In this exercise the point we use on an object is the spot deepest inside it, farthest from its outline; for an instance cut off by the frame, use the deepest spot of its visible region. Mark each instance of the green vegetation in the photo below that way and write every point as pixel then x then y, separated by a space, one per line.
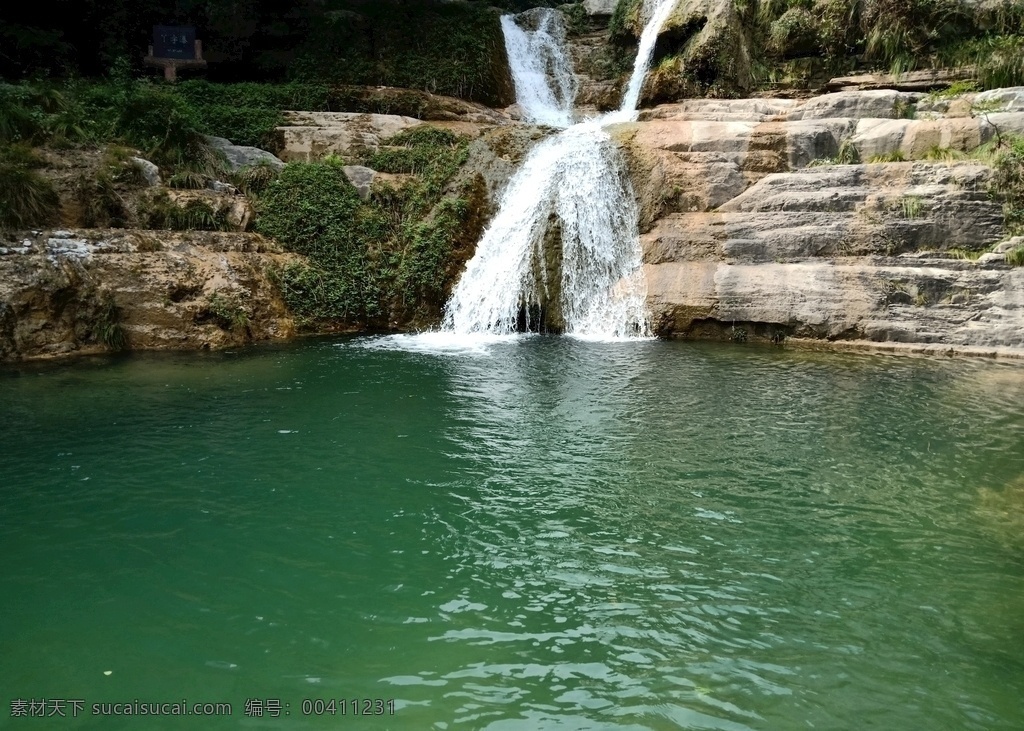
pixel 911 207
pixel 890 35
pixel 965 254
pixel 848 154
pixel 107 328
pixel 1015 257
pixel 228 309
pixel 1008 183
pixel 385 258
pixel 894 156
pixel 26 197
pixel 159 211
pixel 957 88
pixel 99 202
pixel 254 179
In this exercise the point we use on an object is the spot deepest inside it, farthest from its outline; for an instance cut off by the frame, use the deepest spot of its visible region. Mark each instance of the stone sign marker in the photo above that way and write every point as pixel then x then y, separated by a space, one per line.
pixel 175 47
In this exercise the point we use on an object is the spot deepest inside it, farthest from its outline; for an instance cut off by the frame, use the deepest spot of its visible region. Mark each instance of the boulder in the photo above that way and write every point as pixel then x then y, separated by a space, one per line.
pixel 150 172
pixel 241 156
pixel 1010 99
pixel 170 290
pixel 361 178
pixel 600 7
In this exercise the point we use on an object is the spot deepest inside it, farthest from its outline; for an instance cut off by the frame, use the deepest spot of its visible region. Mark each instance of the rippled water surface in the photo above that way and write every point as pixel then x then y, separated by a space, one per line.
pixel 538 534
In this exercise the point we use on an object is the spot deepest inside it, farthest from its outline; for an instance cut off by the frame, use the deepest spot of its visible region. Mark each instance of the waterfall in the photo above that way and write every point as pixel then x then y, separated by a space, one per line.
pixel 574 186
pixel 642 64
pixel 579 179
pixel 541 67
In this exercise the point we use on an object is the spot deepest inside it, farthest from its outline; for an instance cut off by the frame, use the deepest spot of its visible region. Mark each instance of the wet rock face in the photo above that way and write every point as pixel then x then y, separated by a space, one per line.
pixel 746 220
pixel 92 291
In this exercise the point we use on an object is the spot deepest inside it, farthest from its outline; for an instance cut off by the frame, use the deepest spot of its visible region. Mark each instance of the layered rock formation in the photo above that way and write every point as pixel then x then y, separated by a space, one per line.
pixel 751 229
pixel 66 292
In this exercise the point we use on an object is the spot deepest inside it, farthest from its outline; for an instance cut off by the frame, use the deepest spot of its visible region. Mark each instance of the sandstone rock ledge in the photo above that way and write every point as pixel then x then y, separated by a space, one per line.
pixel 750 231
pixel 92 291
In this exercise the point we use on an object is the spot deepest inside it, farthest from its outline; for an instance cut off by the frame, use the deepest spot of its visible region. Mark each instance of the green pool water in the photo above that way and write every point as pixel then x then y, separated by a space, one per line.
pixel 540 534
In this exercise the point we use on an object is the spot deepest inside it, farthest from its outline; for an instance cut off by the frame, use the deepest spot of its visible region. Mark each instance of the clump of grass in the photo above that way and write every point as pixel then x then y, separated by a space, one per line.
pixel 848 154
pixel 894 156
pixel 100 203
pixel 957 88
pixel 1015 257
pixel 187 180
pixel 911 206
pixel 27 198
pixel 944 154
pixel 965 254
pixel 255 179
pixel 108 329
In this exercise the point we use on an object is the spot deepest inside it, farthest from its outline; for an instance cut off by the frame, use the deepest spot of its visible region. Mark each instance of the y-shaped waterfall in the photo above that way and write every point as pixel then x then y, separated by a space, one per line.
pixel 572 186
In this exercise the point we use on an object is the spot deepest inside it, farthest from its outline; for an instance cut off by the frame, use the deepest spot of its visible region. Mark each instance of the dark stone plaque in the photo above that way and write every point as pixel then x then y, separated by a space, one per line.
pixel 174 41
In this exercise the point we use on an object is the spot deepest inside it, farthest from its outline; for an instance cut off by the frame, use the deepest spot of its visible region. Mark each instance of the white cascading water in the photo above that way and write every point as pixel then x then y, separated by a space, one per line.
pixel 577 177
pixel 541 67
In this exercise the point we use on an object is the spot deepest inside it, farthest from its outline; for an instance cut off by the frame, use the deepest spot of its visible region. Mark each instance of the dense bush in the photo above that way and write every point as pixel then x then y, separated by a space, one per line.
pixel 380 261
pixel 889 35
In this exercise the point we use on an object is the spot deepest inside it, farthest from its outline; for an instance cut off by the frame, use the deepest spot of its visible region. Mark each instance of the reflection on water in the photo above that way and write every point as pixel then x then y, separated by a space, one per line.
pixel 533 533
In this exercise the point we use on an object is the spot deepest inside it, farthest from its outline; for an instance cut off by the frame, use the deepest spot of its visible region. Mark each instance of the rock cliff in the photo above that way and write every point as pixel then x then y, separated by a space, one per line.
pixel 90 291
pixel 752 228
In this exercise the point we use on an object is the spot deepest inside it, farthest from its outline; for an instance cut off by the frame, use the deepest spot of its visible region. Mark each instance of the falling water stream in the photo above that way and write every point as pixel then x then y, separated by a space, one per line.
pixel 573 187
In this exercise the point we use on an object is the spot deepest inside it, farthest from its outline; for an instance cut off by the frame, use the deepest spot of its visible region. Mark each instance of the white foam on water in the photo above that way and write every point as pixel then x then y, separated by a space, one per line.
pixel 442 342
